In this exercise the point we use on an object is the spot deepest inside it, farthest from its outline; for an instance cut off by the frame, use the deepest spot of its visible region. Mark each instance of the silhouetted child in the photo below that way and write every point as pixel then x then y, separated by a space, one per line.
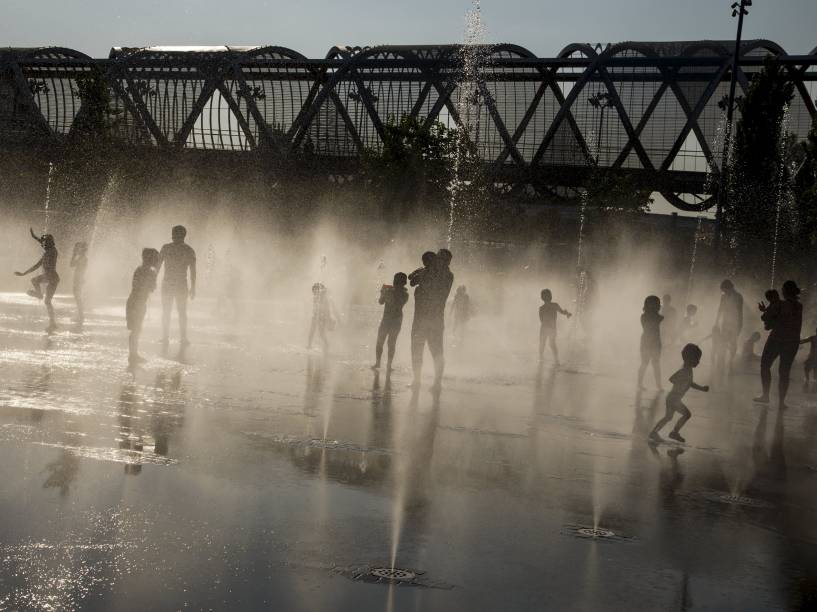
pixel 670 318
pixel 416 277
pixel 810 364
pixel 144 283
pixel 651 340
pixel 393 297
pixel 681 383
pixel 322 316
pixel 770 311
pixel 79 261
pixel 49 277
pixel 547 319
pixel 689 323
pixel 461 309
pixel 748 354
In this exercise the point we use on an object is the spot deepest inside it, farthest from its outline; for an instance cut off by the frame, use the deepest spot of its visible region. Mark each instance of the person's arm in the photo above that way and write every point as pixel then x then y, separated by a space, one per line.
pixel 32 268
pixel 35 236
pixel 807 340
pixel 563 311
pixel 698 387
pixel 193 274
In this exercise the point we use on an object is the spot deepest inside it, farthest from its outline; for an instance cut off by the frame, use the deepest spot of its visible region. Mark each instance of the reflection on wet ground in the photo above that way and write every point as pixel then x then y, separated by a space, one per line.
pixel 251 473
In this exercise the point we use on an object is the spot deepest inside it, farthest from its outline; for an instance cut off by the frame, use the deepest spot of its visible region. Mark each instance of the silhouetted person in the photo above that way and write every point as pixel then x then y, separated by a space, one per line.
pixel 393 298
pixel 681 383
pixel 783 342
pixel 547 324
pixel 748 354
pixel 79 261
pixel 144 283
pixel 428 326
pixel 771 311
pixel 810 364
pixel 322 316
pixel 461 310
pixel 670 315
pixel 417 276
pixel 177 257
pixel 651 340
pixel 49 277
pixel 689 323
pixel 729 319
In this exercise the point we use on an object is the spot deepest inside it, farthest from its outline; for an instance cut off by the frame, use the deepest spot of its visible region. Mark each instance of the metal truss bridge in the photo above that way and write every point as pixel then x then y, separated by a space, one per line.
pixel 653 111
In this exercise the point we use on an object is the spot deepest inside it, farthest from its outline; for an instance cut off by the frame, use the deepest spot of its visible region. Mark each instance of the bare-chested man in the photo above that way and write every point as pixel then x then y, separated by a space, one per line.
pixel 177 257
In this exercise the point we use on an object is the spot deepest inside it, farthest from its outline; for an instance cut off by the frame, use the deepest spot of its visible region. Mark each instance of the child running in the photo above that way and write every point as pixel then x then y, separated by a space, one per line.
pixel 144 283
pixel 681 383
pixel 547 320
pixel 810 364
pixel 79 261
pixel 49 277
pixel 322 317
pixel 651 340
pixel 393 298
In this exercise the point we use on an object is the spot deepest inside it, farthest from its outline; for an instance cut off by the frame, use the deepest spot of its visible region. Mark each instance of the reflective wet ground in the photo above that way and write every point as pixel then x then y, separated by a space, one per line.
pixel 249 473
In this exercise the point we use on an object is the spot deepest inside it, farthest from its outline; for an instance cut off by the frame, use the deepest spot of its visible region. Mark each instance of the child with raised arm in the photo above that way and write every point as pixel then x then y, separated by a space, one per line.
pixel 810 364
pixel 79 261
pixel 144 283
pixel 49 277
pixel 651 340
pixel 681 383
pixel 547 319
pixel 393 298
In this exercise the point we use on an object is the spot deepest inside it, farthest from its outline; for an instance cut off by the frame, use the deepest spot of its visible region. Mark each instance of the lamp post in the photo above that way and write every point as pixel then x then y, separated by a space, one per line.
pixel 739 10
pixel 601 100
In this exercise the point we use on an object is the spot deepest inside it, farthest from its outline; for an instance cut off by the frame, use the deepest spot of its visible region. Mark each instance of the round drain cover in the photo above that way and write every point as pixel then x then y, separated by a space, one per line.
pixel 394 574
pixel 589 532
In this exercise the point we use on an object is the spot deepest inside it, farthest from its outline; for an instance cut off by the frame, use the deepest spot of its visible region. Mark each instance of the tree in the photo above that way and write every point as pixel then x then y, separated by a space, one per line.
pixel 759 165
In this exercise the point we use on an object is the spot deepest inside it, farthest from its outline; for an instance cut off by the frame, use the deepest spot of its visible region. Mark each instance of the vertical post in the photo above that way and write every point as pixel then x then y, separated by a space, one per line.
pixel 738 9
pixel 598 140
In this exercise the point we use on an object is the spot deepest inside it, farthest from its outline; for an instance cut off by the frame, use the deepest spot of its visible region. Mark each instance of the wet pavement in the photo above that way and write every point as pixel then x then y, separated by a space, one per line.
pixel 250 473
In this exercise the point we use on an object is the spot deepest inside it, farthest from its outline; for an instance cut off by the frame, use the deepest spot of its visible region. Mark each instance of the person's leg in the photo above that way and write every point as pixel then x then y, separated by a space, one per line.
pixel 767 358
pixel 642 368
pixel 664 420
pixel 392 344
pixel 36 283
pixel 542 340
pixel 382 332
pixel 553 348
pixel 181 307
pixel 685 416
pixel 435 347
pixel 80 306
pixel 656 369
pixel 787 354
pixel 133 345
pixel 167 305
pixel 418 340
pixel 50 290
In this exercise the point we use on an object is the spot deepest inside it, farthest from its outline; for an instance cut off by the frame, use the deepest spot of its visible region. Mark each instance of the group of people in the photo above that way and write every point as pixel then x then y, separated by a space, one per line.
pixel 178 258
pixel 782 317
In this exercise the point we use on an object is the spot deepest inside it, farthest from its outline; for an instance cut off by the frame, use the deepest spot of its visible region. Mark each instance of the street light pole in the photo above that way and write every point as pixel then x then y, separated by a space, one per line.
pixel 739 9
pixel 602 101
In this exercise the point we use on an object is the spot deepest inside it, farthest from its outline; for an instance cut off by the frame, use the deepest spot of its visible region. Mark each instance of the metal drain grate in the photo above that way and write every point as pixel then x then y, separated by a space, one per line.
pixel 589 532
pixel 393 574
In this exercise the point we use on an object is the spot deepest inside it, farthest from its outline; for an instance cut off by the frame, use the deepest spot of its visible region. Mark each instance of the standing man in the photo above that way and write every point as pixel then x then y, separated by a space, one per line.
pixel 429 316
pixel 177 257
pixel 730 319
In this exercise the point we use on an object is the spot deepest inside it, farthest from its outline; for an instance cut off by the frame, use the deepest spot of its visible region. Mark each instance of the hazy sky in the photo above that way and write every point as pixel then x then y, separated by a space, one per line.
pixel 312 27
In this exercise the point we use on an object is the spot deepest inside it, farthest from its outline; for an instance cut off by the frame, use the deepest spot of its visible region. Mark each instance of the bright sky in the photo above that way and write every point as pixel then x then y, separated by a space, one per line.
pixel 312 27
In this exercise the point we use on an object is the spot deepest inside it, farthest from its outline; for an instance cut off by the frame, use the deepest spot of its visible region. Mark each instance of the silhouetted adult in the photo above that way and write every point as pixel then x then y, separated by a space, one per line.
pixel 434 287
pixel 729 320
pixel 783 342
pixel 177 257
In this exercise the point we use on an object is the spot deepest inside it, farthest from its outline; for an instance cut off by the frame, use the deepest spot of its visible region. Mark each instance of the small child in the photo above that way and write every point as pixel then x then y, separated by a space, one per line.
pixel 681 383
pixel 461 309
pixel 651 340
pixel 416 277
pixel 322 318
pixel 771 310
pixel 144 283
pixel 393 299
pixel 810 364
pixel 79 261
pixel 547 319
pixel 748 353
pixel 49 277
